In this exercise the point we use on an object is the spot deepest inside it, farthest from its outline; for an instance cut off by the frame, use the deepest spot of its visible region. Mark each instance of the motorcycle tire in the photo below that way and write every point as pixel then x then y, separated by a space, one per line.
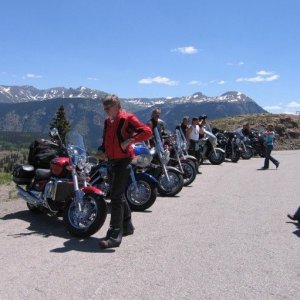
pixel 247 154
pixel 235 157
pixel 216 159
pixel 189 173
pixel 143 198
pixel 87 222
pixel 171 188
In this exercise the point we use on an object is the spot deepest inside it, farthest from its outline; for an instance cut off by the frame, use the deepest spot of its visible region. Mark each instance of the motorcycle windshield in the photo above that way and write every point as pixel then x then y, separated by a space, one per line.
pixel 75 143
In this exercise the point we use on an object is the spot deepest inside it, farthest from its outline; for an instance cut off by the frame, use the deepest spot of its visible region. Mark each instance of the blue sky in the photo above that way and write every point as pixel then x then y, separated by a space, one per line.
pixel 155 48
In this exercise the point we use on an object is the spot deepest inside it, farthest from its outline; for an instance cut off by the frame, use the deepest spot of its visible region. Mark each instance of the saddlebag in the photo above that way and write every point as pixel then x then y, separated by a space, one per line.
pixel 41 152
pixel 23 174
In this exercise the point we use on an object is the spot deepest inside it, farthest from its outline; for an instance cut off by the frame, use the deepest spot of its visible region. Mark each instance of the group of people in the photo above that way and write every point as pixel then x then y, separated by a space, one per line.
pixel 121 131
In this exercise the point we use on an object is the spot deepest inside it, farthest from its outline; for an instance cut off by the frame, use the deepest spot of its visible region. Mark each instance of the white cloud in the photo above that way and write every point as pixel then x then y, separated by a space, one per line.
pixel 93 78
pixel 262 76
pixel 273 107
pixel 293 104
pixel 221 82
pixel 186 50
pixel 195 82
pixel 159 80
pixel 264 73
pixel 32 76
pixel 238 64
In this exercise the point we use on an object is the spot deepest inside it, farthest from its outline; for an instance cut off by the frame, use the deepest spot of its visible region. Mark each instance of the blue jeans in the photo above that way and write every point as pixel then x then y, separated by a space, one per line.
pixel 268 157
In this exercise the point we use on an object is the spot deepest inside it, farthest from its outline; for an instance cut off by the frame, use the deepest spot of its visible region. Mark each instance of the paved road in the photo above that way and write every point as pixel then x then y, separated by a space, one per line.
pixel 226 237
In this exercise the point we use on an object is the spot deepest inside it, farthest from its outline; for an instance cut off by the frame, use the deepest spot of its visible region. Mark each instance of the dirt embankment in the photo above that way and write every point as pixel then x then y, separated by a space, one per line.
pixel 287 127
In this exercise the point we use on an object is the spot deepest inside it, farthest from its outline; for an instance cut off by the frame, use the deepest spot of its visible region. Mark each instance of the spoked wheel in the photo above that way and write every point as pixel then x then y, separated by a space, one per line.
pixel 170 187
pixel 216 157
pixel 87 221
pixel 248 153
pixel 141 196
pixel 189 173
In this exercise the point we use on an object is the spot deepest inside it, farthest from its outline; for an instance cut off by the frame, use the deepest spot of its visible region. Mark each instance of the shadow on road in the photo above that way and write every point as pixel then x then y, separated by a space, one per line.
pixel 42 224
pixel 83 245
pixel 296 232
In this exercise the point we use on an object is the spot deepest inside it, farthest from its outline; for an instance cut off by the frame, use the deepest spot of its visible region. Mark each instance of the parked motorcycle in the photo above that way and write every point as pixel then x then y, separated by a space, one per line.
pixel 63 190
pixel 245 147
pixel 170 179
pixel 141 190
pixel 209 150
pixel 178 160
pixel 257 141
pixel 227 141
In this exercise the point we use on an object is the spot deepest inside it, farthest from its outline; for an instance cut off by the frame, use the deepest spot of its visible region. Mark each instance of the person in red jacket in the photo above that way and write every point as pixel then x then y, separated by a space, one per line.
pixel 121 130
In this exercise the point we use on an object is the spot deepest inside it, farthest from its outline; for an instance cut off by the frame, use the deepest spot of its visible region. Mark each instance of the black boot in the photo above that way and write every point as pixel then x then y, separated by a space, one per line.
pixel 128 228
pixel 113 238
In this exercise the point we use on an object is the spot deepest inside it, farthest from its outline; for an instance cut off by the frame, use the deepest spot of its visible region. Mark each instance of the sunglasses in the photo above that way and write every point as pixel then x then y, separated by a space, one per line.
pixel 107 108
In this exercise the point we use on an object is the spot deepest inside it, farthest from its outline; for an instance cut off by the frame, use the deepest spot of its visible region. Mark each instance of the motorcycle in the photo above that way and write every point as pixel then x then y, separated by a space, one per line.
pixel 62 190
pixel 257 141
pixel 245 149
pixel 178 160
pixel 227 141
pixel 141 190
pixel 170 179
pixel 209 150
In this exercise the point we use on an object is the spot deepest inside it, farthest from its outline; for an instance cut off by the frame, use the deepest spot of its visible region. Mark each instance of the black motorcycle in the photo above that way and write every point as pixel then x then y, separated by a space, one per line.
pixel 257 142
pixel 227 141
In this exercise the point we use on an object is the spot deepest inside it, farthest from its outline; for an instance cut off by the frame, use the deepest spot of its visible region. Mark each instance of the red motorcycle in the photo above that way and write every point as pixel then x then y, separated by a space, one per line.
pixel 62 189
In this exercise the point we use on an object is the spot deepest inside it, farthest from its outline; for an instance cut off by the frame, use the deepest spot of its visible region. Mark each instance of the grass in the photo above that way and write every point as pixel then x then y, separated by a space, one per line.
pixel 5 178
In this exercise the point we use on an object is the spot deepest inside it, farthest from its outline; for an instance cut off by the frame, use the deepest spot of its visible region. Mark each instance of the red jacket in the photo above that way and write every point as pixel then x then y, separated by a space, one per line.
pixel 123 127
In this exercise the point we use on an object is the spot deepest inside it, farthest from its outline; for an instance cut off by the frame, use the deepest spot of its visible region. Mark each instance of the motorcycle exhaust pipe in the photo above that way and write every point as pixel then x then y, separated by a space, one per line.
pixel 27 196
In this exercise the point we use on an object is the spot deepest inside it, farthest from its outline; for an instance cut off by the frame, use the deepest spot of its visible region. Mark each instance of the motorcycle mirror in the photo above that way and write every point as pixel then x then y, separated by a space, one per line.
pixel 53 132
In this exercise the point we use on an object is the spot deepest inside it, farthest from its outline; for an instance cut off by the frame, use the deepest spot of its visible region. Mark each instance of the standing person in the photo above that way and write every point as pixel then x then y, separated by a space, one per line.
pixel 121 129
pixel 184 125
pixel 193 137
pixel 156 122
pixel 269 140
pixel 244 131
pixel 204 124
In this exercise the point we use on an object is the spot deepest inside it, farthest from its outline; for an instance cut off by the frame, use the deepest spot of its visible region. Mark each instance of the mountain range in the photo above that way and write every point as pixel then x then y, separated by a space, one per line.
pixel 26 108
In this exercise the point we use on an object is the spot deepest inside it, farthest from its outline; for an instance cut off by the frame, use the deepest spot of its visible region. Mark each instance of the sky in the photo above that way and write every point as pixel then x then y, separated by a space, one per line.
pixel 156 48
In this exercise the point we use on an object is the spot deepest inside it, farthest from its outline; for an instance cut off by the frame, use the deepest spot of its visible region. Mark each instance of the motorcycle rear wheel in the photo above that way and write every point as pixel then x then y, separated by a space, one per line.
pixel 171 188
pixel 142 198
pixel 89 220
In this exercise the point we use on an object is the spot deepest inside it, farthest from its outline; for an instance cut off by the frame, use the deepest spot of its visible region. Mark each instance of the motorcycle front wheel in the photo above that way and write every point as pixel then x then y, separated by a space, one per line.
pixel 142 196
pixel 248 153
pixel 87 221
pixel 172 186
pixel 216 157
pixel 189 172
pixel 235 156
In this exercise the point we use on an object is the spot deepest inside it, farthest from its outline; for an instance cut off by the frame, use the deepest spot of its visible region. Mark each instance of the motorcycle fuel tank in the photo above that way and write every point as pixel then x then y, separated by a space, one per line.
pixel 58 166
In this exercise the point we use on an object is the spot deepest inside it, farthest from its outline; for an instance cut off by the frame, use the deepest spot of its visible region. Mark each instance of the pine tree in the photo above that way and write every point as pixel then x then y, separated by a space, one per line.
pixel 61 123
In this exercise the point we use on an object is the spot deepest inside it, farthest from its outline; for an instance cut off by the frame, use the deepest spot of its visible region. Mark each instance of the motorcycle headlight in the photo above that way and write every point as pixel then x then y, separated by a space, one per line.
pixel 81 163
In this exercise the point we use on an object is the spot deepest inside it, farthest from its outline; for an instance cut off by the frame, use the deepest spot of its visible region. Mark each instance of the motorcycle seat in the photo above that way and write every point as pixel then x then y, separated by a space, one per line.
pixel 42 174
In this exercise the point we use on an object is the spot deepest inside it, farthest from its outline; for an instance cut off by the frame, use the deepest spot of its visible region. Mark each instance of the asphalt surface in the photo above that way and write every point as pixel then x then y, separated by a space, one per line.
pixel 225 237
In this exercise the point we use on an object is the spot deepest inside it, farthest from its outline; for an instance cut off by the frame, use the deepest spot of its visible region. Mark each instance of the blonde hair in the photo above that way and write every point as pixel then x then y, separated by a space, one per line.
pixel 111 100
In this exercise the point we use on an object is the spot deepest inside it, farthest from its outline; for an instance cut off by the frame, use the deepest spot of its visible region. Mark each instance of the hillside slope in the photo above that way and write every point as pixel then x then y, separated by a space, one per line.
pixel 287 127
